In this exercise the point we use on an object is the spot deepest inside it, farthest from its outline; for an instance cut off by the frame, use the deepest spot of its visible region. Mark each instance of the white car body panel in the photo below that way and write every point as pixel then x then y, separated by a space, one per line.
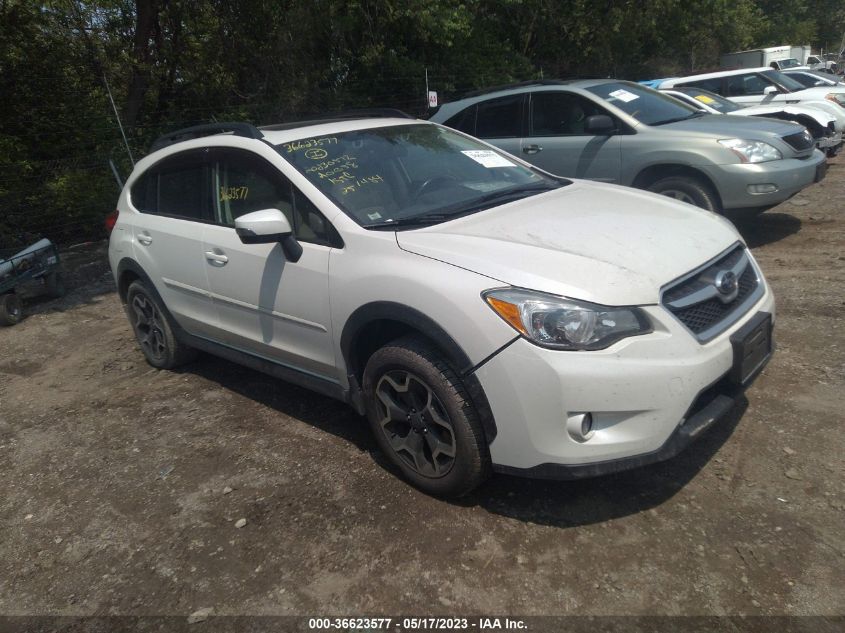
pixel 527 243
pixel 813 97
pixel 273 307
pixel 587 241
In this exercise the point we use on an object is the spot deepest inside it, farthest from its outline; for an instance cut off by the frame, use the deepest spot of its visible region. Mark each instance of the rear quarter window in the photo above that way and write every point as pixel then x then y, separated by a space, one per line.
pixel 144 193
pixel 499 118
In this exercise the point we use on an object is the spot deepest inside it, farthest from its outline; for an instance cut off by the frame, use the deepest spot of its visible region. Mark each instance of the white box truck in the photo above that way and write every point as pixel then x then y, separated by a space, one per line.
pixel 777 57
pixel 801 53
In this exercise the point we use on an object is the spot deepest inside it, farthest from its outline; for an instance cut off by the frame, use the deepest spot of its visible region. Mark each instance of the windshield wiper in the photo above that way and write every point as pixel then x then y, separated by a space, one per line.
pixel 414 220
pixel 465 208
pixel 694 115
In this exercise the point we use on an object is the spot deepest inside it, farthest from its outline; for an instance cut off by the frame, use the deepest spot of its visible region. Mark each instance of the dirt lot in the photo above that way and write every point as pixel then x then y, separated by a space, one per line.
pixel 123 484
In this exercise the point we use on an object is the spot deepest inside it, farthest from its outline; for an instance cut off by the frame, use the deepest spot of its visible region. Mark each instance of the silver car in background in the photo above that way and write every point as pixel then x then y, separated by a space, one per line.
pixel 625 133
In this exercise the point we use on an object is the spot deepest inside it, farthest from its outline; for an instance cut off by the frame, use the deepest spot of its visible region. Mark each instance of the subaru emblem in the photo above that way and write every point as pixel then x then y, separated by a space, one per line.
pixel 726 282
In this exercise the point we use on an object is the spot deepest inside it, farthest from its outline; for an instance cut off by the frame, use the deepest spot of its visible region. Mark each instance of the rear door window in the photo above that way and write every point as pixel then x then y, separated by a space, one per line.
pixel 713 85
pixel 499 118
pixel 177 187
pixel 464 121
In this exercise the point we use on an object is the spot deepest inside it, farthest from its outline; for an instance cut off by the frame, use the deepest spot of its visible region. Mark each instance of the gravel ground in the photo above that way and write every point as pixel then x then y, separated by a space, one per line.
pixel 132 491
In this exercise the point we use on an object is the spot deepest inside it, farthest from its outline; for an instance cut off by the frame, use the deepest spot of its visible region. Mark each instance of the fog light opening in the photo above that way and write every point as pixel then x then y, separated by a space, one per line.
pixel 580 426
pixel 762 188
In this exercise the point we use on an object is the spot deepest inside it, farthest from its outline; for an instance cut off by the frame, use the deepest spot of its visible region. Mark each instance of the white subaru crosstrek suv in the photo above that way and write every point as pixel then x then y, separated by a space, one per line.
pixel 483 314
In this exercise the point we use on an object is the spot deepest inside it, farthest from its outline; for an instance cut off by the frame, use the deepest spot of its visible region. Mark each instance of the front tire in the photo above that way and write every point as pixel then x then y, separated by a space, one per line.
pixel 423 418
pixel 687 189
pixel 153 329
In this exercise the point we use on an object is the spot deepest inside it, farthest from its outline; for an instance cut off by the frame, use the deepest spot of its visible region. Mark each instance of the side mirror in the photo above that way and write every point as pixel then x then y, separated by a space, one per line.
pixel 267 227
pixel 770 90
pixel 599 125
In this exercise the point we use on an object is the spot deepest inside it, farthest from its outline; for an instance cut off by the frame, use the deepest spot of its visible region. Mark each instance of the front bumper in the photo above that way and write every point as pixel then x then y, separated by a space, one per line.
pixel 833 141
pixel 649 397
pixel 789 176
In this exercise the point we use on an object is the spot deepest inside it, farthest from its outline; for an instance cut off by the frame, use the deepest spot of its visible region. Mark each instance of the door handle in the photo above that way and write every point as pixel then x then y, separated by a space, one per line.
pixel 216 258
pixel 145 238
pixel 531 149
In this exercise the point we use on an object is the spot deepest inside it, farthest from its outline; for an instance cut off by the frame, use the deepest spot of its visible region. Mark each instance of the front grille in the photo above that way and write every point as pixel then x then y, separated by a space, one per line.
pixel 696 301
pixel 799 141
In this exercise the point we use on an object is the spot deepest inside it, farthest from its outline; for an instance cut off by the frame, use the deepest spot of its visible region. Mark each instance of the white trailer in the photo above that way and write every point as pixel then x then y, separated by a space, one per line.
pixel 801 53
pixel 755 58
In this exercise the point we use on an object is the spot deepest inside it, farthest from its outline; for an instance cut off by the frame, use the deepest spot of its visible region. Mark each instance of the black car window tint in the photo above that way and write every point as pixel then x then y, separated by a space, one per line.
pixel 181 190
pixel 499 118
pixel 464 121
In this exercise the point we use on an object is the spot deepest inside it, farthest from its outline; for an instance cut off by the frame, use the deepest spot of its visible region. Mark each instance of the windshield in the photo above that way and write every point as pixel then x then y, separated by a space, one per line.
pixel 403 174
pixel 788 63
pixel 644 104
pixel 717 102
pixel 784 80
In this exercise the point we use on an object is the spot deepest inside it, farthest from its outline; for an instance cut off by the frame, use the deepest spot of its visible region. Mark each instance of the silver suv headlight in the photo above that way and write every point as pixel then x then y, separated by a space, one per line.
pixel 565 324
pixel 751 151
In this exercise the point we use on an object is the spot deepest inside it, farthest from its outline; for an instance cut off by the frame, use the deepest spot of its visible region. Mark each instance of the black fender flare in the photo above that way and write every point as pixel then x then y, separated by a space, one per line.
pixel 127 264
pixel 428 327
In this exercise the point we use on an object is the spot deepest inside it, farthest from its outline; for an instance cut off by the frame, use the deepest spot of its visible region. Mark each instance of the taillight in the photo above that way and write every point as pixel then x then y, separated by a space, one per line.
pixel 111 220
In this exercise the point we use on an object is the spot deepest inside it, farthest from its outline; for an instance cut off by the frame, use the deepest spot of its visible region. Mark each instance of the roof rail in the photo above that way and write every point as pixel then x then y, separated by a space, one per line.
pixel 247 130
pixel 520 84
pixel 366 113
pixel 361 113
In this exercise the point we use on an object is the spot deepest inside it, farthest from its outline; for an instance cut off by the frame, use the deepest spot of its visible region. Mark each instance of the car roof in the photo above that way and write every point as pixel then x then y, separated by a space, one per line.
pixel 205 135
pixel 714 75
pixel 305 129
pixel 451 107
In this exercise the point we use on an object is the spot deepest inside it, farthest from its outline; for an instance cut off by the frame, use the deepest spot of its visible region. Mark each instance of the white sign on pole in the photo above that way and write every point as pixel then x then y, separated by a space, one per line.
pixel 432 98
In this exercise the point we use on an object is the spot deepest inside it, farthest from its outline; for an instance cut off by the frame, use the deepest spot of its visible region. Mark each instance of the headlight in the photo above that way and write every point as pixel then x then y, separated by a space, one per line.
pixel 751 151
pixel 561 323
pixel 836 97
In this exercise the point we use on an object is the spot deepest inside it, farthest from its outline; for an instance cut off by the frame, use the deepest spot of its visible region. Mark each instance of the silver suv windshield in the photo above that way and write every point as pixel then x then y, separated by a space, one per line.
pixel 411 175
pixel 644 104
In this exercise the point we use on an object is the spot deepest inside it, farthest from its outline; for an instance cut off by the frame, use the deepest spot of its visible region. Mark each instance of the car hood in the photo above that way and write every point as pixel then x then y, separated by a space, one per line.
pixel 830 108
pixel 731 127
pixel 819 116
pixel 591 241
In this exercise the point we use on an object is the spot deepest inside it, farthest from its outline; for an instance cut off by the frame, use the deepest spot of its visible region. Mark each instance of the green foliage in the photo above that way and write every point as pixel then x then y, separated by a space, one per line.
pixel 172 63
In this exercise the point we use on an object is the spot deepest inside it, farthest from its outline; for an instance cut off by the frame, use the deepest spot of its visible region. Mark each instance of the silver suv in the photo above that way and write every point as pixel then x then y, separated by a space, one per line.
pixel 628 134
pixel 484 315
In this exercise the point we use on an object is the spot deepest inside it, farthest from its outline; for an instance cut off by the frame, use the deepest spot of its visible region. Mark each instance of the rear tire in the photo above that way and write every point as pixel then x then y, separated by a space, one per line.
pixel 423 418
pixel 154 330
pixel 11 309
pixel 688 189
